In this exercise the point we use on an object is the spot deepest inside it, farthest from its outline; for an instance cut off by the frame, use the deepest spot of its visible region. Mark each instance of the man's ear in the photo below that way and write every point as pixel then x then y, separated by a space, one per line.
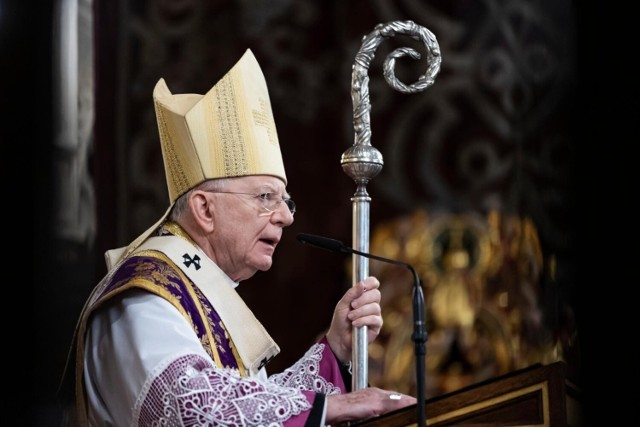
pixel 202 210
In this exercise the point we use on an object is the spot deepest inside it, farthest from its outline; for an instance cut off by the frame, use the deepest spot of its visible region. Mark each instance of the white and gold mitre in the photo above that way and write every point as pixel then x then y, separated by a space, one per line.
pixel 227 132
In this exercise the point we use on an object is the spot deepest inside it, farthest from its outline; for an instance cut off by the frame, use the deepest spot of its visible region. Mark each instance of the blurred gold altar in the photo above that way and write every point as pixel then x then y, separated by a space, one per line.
pixel 484 281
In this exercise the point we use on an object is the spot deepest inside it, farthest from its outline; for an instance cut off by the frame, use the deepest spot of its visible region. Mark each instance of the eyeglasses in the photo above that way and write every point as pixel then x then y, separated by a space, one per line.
pixel 270 202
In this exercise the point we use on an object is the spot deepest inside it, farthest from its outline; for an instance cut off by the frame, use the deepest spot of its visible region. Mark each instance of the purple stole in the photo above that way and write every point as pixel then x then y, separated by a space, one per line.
pixel 159 275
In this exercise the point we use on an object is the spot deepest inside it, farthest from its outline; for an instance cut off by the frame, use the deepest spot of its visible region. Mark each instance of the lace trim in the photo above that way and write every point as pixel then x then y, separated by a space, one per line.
pixel 192 392
pixel 305 373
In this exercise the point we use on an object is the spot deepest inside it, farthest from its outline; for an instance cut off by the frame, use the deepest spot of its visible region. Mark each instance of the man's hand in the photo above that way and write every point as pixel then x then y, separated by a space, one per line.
pixel 360 306
pixel 363 404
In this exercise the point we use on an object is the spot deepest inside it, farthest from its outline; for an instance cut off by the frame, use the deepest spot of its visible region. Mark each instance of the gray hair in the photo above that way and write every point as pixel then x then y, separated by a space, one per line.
pixel 180 207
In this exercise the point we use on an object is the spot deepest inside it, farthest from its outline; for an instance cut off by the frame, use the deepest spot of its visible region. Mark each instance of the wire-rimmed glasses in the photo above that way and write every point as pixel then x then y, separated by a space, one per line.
pixel 270 202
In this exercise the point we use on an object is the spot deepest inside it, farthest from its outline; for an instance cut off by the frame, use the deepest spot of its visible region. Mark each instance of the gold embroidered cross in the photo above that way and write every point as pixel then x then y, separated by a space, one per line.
pixel 264 117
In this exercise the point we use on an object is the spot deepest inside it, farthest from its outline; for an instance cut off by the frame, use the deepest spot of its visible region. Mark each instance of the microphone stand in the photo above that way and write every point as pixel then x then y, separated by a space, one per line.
pixel 419 336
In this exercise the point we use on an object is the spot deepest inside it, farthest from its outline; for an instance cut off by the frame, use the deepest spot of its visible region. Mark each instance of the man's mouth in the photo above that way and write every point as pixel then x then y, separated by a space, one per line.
pixel 270 242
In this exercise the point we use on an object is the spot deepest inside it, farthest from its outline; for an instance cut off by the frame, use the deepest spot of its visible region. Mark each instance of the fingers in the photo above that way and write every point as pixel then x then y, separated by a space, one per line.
pixel 366 302
pixel 359 306
pixel 365 307
pixel 392 400
pixel 365 292
pixel 369 283
pixel 365 403
pixel 369 297
pixel 367 315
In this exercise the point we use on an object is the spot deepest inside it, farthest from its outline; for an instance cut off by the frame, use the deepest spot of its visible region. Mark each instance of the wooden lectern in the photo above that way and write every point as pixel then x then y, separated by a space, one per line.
pixel 540 395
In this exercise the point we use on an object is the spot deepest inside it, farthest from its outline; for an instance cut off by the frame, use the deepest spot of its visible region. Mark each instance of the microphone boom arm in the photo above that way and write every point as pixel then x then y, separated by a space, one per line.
pixel 419 336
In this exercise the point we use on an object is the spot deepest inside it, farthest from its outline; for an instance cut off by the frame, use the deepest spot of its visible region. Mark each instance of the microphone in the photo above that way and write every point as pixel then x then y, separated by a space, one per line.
pixel 334 245
pixel 419 336
pixel 324 243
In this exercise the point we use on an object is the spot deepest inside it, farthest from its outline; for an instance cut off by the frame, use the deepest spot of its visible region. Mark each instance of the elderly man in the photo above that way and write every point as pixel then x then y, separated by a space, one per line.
pixel 164 338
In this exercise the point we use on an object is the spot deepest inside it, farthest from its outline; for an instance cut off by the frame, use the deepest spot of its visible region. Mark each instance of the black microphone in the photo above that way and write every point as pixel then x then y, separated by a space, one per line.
pixel 323 243
pixel 334 245
pixel 419 336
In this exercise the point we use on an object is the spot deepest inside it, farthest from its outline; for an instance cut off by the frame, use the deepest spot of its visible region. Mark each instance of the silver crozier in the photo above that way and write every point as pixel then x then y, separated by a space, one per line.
pixel 362 162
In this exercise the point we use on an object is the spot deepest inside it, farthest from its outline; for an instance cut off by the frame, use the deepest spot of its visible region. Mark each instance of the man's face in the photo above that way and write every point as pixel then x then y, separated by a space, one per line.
pixel 248 227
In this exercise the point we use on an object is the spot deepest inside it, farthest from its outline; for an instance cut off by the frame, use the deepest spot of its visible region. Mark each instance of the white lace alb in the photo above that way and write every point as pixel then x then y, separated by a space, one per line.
pixel 190 391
